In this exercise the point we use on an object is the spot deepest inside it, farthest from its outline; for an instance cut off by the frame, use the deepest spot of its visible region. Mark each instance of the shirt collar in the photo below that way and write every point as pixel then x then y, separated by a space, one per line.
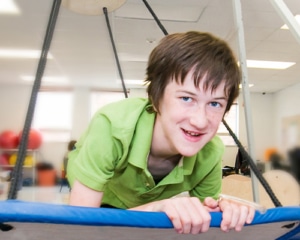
pixel 141 142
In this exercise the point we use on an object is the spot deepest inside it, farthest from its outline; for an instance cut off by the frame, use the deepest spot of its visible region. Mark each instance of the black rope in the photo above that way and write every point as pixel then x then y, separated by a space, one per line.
pixel 253 166
pixel 243 151
pixel 155 18
pixel 115 52
pixel 17 172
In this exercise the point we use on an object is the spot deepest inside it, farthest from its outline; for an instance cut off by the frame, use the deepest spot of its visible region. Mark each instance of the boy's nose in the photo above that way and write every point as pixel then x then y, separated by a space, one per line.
pixel 199 118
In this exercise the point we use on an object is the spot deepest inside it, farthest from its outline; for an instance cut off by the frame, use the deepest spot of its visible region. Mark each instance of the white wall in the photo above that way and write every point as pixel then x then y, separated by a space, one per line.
pixel 81 111
pixel 13 106
pixel 287 104
pixel 262 108
pixel 267 113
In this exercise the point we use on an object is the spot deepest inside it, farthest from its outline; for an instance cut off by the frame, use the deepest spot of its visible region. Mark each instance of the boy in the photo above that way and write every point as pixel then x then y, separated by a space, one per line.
pixel 139 153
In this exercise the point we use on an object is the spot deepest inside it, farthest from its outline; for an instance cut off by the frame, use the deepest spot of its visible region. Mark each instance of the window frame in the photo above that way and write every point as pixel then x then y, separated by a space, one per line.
pixel 232 119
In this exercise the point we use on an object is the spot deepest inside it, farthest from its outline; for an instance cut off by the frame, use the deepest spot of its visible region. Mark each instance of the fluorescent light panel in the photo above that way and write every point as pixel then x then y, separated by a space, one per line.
pixel 249 85
pixel 8 7
pixel 21 53
pixel 47 79
pixel 297 17
pixel 132 82
pixel 269 64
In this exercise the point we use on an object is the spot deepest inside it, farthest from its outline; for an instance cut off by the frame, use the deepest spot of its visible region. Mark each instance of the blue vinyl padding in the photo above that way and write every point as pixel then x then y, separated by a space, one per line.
pixel 21 211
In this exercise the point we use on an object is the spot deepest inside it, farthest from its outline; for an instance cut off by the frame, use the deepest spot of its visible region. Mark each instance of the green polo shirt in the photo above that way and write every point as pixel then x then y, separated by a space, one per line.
pixel 111 156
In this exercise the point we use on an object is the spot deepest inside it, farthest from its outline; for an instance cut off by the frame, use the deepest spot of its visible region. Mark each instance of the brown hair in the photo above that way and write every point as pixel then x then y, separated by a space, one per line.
pixel 71 145
pixel 178 53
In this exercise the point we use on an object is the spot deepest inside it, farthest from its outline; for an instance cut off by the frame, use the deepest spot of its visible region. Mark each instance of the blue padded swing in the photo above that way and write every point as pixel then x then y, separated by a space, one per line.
pixel 36 221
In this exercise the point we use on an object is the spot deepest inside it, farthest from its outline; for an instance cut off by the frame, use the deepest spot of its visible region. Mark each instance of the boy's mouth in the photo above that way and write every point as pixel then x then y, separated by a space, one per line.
pixel 190 133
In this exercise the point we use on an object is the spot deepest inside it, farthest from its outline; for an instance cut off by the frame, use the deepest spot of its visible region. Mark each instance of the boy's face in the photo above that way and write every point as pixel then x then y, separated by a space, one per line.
pixel 189 117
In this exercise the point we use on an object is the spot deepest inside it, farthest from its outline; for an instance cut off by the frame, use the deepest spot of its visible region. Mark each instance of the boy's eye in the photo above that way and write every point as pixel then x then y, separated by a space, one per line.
pixel 186 99
pixel 215 104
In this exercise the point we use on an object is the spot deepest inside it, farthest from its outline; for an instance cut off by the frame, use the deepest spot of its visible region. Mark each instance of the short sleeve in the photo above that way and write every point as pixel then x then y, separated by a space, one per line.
pixel 94 159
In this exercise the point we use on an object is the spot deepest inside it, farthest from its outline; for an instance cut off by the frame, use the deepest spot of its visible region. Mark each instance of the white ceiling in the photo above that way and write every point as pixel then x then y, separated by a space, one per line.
pixel 82 51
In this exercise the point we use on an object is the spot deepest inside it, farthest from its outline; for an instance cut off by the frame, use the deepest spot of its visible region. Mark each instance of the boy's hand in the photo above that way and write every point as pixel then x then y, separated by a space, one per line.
pixel 188 214
pixel 235 215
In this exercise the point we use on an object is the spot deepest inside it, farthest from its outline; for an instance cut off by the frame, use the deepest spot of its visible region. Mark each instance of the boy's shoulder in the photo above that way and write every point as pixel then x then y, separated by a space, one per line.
pixel 126 112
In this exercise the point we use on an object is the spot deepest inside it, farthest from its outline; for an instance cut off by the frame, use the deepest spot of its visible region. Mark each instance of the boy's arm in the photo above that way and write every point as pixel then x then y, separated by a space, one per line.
pixel 84 196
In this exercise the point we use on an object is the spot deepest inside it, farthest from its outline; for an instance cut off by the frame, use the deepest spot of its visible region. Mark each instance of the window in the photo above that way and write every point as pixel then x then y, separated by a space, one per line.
pixel 53 115
pixel 232 119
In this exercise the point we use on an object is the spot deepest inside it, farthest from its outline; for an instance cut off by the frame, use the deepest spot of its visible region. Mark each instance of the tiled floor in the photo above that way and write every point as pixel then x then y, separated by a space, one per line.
pixel 40 194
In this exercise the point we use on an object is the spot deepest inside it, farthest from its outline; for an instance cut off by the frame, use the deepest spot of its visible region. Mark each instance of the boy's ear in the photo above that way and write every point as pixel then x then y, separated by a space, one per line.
pixel 153 107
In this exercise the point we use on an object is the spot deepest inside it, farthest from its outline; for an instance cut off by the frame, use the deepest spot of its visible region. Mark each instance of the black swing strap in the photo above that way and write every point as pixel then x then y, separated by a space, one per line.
pixel 17 171
pixel 115 52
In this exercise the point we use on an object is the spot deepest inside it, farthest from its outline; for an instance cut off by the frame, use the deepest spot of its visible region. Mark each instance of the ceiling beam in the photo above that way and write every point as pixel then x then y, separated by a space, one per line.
pixel 288 18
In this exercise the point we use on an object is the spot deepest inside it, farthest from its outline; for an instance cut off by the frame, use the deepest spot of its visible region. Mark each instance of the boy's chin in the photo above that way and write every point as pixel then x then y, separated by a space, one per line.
pixel 189 153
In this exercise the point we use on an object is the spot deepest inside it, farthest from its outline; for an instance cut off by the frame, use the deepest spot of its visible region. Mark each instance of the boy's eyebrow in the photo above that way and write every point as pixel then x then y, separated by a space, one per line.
pixel 195 94
pixel 221 98
pixel 187 92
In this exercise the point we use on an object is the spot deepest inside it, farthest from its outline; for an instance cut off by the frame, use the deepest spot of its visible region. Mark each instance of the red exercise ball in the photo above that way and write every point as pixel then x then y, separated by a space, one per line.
pixel 35 139
pixel 4 162
pixel 9 139
pixel 4 159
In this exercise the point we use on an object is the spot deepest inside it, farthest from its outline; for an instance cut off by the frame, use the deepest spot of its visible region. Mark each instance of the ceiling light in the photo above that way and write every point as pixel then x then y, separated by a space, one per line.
pixel 249 85
pixel 132 82
pixel 297 17
pixel 269 64
pixel 47 79
pixel 8 7
pixel 21 53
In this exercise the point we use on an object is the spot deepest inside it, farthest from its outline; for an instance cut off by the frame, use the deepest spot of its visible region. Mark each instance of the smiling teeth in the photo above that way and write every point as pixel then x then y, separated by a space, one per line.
pixel 192 133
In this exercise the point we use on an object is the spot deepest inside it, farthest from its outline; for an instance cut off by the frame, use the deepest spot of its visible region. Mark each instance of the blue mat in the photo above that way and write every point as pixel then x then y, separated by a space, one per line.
pixel 31 220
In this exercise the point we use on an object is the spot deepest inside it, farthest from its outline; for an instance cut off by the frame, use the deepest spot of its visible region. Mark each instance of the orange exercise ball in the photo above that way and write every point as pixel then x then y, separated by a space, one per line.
pixel 9 139
pixel 35 139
